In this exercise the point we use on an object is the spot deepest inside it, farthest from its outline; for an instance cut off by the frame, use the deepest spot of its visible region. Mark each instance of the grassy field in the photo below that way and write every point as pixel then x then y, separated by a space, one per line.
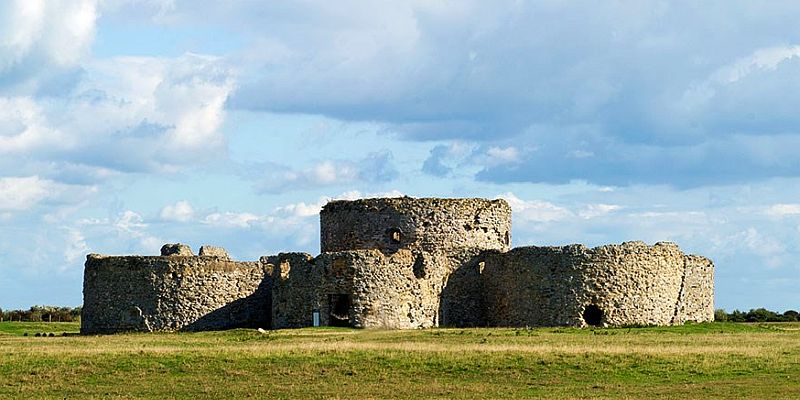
pixel 704 360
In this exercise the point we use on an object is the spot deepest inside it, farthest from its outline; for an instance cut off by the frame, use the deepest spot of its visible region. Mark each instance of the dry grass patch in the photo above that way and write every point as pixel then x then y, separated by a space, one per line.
pixel 708 360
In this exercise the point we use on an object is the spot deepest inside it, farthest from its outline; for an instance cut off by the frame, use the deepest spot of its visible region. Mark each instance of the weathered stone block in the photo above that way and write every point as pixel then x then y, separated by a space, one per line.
pixel 213 251
pixel 176 249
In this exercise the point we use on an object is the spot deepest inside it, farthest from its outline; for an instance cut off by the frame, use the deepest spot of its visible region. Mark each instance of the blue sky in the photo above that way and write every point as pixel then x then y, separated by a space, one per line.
pixel 126 124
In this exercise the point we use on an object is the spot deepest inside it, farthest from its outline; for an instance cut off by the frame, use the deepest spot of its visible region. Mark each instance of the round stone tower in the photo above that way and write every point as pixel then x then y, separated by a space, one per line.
pixel 426 224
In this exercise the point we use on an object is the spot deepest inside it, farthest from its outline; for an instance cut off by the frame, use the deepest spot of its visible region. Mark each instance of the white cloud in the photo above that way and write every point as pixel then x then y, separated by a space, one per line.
pixel 328 172
pixel 22 193
pixel 124 114
pixel 57 32
pixel 185 95
pixel 503 154
pixel 763 59
pixel 769 248
pixel 445 159
pixel 181 211
pixel 766 58
pixel 782 210
pixel 76 247
pixel 535 210
pixel 375 168
pixel 23 127
pixel 131 225
pixel 231 219
pixel 304 210
pixel 597 210
pixel 130 222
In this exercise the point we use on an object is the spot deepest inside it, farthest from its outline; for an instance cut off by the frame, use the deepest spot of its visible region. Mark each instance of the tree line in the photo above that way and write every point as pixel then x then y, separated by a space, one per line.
pixel 42 314
pixel 70 314
pixel 756 315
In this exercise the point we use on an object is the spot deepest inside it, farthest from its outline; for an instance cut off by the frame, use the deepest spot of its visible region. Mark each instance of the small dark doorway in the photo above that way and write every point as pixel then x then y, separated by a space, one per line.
pixel 593 315
pixel 339 310
pixel 395 235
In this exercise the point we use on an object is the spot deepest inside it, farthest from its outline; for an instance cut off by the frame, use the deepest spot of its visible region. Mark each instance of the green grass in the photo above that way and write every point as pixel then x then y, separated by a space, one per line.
pixel 720 360
pixel 31 328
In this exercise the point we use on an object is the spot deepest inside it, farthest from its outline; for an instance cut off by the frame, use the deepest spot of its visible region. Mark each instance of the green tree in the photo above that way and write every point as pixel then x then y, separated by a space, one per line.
pixel 761 315
pixel 736 316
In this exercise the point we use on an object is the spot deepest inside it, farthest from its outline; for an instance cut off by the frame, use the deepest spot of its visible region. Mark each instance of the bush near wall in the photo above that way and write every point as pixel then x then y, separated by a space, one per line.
pixel 42 314
pixel 756 315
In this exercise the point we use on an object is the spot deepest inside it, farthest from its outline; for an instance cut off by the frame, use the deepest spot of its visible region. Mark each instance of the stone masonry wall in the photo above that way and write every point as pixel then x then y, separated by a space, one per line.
pixel 156 293
pixel 631 283
pixel 401 263
pixel 401 290
pixel 426 224
pixel 697 292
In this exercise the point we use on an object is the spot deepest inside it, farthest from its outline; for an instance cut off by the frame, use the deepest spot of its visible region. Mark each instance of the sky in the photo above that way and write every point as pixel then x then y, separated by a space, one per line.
pixel 127 124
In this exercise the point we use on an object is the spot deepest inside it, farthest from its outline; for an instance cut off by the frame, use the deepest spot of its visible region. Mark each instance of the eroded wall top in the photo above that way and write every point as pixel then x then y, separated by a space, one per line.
pixel 429 224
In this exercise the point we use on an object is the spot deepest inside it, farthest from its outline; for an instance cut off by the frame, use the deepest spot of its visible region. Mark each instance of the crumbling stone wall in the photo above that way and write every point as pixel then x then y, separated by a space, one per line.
pixel 427 224
pixel 160 293
pixel 399 290
pixel 696 301
pixel 631 283
pixel 401 263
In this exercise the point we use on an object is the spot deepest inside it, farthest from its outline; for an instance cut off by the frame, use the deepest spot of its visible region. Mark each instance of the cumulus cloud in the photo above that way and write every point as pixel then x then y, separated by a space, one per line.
pixel 782 210
pixel 627 89
pixel 231 219
pixel 535 210
pixel 131 225
pixel 597 210
pixel 43 41
pixel 375 168
pixel 302 209
pixel 443 159
pixel 76 247
pixel 181 211
pixel 126 114
pixel 727 159
pixel 18 193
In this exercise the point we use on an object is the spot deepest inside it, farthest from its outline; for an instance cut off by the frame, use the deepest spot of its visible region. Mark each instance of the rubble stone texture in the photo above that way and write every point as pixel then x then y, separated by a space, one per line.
pixel 415 224
pixel 213 251
pixel 189 293
pixel 176 249
pixel 402 263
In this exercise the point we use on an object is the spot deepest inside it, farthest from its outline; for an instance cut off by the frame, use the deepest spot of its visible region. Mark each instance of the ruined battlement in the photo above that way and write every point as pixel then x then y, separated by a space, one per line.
pixel 401 263
pixel 427 224
pixel 625 284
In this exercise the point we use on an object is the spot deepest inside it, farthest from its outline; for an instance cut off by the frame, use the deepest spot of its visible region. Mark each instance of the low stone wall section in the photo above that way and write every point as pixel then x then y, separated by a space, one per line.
pixel 175 293
pixel 424 224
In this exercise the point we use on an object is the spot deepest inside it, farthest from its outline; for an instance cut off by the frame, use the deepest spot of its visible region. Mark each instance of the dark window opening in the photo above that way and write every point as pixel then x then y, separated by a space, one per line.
pixel 339 310
pixel 395 235
pixel 593 315
pixel 419 267
pixel 467 227
pixel 508 238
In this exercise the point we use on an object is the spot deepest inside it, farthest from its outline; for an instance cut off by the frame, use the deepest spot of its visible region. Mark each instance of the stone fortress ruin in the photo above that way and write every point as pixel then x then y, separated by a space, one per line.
pixel 401 263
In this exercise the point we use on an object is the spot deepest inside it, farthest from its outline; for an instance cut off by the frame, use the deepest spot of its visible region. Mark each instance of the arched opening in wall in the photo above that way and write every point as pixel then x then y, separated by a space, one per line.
pixel 593 315
pixel 339 310
pixel 395 235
